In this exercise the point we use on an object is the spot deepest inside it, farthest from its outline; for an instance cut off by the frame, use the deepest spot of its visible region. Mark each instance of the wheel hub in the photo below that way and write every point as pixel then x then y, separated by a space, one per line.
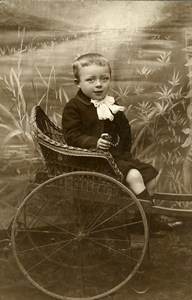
pixel 81 235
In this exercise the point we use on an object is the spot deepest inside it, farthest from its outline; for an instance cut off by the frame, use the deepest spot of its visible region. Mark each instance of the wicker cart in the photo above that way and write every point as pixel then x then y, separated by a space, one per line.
pixel 80 233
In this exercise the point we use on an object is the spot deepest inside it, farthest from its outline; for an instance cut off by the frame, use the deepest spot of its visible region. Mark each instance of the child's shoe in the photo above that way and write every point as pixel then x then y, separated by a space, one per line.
pixel 158 223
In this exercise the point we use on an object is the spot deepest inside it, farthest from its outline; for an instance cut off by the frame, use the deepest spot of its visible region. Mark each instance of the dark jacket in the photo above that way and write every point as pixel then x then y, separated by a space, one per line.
pixel 82 128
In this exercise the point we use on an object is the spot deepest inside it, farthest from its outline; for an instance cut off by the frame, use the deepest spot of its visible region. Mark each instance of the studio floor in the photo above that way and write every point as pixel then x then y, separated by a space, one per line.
pixel 170 271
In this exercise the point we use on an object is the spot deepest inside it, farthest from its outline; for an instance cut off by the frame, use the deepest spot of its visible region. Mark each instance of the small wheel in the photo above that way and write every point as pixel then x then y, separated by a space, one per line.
pixel 75 236
pixel 4 249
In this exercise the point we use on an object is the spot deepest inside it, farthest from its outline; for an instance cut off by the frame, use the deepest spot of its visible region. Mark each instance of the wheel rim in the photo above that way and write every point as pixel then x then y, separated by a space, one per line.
pixel 72 239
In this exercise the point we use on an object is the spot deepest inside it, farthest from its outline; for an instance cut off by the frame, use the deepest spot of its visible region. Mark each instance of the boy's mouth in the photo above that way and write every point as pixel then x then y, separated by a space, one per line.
pixel 98 93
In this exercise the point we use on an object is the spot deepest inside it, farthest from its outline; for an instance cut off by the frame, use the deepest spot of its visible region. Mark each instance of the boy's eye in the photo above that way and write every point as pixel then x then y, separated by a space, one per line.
pixel 105 78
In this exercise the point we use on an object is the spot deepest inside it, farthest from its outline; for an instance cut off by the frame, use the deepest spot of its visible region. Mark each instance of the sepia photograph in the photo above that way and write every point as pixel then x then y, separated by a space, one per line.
pixel 95 150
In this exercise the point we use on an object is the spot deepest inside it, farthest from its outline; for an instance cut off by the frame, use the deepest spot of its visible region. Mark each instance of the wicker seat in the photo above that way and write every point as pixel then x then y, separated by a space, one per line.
pixel 61 158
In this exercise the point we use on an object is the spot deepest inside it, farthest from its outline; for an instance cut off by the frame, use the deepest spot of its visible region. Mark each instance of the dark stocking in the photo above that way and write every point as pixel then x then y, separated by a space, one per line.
pixel 144 195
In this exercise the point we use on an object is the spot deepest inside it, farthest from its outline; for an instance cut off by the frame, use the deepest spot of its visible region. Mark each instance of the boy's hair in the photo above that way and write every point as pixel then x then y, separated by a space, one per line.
pixel 88 60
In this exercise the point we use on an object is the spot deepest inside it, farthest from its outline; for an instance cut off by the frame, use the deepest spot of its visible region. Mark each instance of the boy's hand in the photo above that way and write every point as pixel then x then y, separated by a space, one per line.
pixel 103 144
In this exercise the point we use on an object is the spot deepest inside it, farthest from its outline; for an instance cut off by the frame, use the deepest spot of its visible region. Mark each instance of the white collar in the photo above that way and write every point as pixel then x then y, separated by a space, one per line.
pixel 106 108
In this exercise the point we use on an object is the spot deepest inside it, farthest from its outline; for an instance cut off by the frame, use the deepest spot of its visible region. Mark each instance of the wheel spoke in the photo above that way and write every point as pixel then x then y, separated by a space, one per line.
pixel 111 239
pixel 114 250
pixel 44 246
pixel 115 227
pixel 42 208
pixel 112 216
pixel 97 216
pixel 51 224
pixel 46 258
pixel 39 231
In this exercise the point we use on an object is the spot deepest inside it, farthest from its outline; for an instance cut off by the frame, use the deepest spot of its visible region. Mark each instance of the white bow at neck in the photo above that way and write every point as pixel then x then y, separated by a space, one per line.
pixel 106 108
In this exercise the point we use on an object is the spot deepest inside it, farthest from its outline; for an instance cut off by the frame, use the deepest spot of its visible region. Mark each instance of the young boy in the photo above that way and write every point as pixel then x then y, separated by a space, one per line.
pixel 92 113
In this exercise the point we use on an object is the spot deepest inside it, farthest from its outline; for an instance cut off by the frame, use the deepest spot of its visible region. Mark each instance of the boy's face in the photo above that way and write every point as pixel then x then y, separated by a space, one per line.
pixel 94 81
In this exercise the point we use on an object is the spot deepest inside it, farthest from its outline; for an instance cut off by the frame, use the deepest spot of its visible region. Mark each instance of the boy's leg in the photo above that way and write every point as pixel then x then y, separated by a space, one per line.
pixel 151 186
pixel 135 181
pixel 144 195
pixel 159 222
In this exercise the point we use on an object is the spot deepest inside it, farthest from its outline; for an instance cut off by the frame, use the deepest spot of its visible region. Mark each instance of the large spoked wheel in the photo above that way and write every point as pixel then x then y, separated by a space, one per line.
pixel 76 236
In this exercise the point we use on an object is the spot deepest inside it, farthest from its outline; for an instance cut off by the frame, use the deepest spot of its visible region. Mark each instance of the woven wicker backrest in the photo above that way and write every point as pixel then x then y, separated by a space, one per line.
pixel 60 158
pixel 47 127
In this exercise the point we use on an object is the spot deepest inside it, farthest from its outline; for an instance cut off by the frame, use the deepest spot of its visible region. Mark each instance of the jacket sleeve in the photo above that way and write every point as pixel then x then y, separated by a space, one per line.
pixel 124 130
pixel 72 128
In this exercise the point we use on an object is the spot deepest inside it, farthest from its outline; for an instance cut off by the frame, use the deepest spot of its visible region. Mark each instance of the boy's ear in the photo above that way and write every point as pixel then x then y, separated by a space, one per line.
pixel 76 82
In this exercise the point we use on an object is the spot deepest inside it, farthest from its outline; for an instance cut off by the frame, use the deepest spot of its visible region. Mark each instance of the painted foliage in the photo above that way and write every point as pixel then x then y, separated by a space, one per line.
pixel 149 45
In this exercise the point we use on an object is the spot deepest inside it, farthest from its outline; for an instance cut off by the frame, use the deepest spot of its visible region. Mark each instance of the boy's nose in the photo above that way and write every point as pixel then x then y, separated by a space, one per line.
pixel 98 83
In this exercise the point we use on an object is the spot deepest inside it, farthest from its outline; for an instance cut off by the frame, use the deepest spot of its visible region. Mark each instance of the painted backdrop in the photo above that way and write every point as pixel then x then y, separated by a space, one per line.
pixel 149 45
